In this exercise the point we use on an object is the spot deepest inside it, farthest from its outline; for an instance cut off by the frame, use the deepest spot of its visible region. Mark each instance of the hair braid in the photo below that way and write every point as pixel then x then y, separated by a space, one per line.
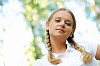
pixel 86 56
pixel 51 57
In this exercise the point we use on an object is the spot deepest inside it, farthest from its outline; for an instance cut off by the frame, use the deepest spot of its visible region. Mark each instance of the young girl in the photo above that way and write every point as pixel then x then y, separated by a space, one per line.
pixel 62 49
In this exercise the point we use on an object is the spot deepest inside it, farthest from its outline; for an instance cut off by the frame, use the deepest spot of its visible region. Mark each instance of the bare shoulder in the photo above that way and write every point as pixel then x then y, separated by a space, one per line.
pixel 98 52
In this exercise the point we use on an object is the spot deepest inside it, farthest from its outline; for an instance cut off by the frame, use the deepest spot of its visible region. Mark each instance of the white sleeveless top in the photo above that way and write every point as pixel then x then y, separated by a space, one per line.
pixel 71 57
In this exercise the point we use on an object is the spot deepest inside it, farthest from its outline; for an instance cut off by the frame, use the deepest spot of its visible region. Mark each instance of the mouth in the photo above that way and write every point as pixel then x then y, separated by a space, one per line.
pixel 60 30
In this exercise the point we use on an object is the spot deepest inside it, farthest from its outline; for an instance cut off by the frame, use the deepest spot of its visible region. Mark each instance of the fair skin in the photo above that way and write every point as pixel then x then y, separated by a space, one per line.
pixel 98 52
pixel 60 28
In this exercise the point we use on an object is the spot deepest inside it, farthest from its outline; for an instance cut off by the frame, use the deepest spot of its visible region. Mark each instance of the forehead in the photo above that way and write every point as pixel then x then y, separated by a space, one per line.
pixel 63 14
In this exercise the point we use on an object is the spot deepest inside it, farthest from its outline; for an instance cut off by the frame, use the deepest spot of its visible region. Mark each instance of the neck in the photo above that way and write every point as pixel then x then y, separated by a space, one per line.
pixel 58 45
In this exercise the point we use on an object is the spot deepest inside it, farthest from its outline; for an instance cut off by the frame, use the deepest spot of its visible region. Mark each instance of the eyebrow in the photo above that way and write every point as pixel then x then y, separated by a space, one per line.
pixel 57 17
pixel 68 20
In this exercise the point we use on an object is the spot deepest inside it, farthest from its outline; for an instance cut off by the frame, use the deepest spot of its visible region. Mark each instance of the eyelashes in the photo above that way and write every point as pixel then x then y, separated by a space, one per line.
pixel 68 23
pixel 57 20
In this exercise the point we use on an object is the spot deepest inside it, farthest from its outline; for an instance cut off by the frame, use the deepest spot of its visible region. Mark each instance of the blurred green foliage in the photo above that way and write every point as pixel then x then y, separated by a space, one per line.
pixel 36 12
pixel 92 10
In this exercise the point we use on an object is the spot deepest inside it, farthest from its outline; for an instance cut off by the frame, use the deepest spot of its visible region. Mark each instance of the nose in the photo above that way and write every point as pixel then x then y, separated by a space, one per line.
pixel 62 23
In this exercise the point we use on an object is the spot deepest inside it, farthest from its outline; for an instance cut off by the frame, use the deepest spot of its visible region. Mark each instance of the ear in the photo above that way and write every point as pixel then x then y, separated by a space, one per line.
pixel 71 33
pixel 47 25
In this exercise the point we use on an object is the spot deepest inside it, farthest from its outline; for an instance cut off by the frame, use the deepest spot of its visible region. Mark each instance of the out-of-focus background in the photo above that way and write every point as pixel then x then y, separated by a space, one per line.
pixel 22 27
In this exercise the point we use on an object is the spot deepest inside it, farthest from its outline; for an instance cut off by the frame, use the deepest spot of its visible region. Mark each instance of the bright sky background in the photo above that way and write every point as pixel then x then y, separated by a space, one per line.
pixel 86 29
pixel 16 36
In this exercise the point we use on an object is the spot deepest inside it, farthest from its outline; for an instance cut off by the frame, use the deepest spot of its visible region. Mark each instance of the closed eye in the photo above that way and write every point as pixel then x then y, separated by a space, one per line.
pixel 68 23
pixel 57 20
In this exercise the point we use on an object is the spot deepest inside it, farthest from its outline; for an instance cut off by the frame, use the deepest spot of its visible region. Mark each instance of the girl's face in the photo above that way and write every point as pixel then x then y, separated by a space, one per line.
pixel 61 25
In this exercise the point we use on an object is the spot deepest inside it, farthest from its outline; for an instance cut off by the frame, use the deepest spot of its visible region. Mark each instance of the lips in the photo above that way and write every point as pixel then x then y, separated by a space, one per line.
pixel 60 30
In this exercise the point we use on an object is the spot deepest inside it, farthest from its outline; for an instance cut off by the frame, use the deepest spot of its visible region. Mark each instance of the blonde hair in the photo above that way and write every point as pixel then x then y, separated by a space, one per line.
pixel 86 56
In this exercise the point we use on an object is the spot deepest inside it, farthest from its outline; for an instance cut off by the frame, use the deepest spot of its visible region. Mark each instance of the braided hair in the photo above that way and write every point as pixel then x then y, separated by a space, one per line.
pixel 86 56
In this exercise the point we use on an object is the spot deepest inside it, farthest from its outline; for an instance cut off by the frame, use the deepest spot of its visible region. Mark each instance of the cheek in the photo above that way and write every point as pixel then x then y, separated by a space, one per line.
pixel 69 30
pixel 52 25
